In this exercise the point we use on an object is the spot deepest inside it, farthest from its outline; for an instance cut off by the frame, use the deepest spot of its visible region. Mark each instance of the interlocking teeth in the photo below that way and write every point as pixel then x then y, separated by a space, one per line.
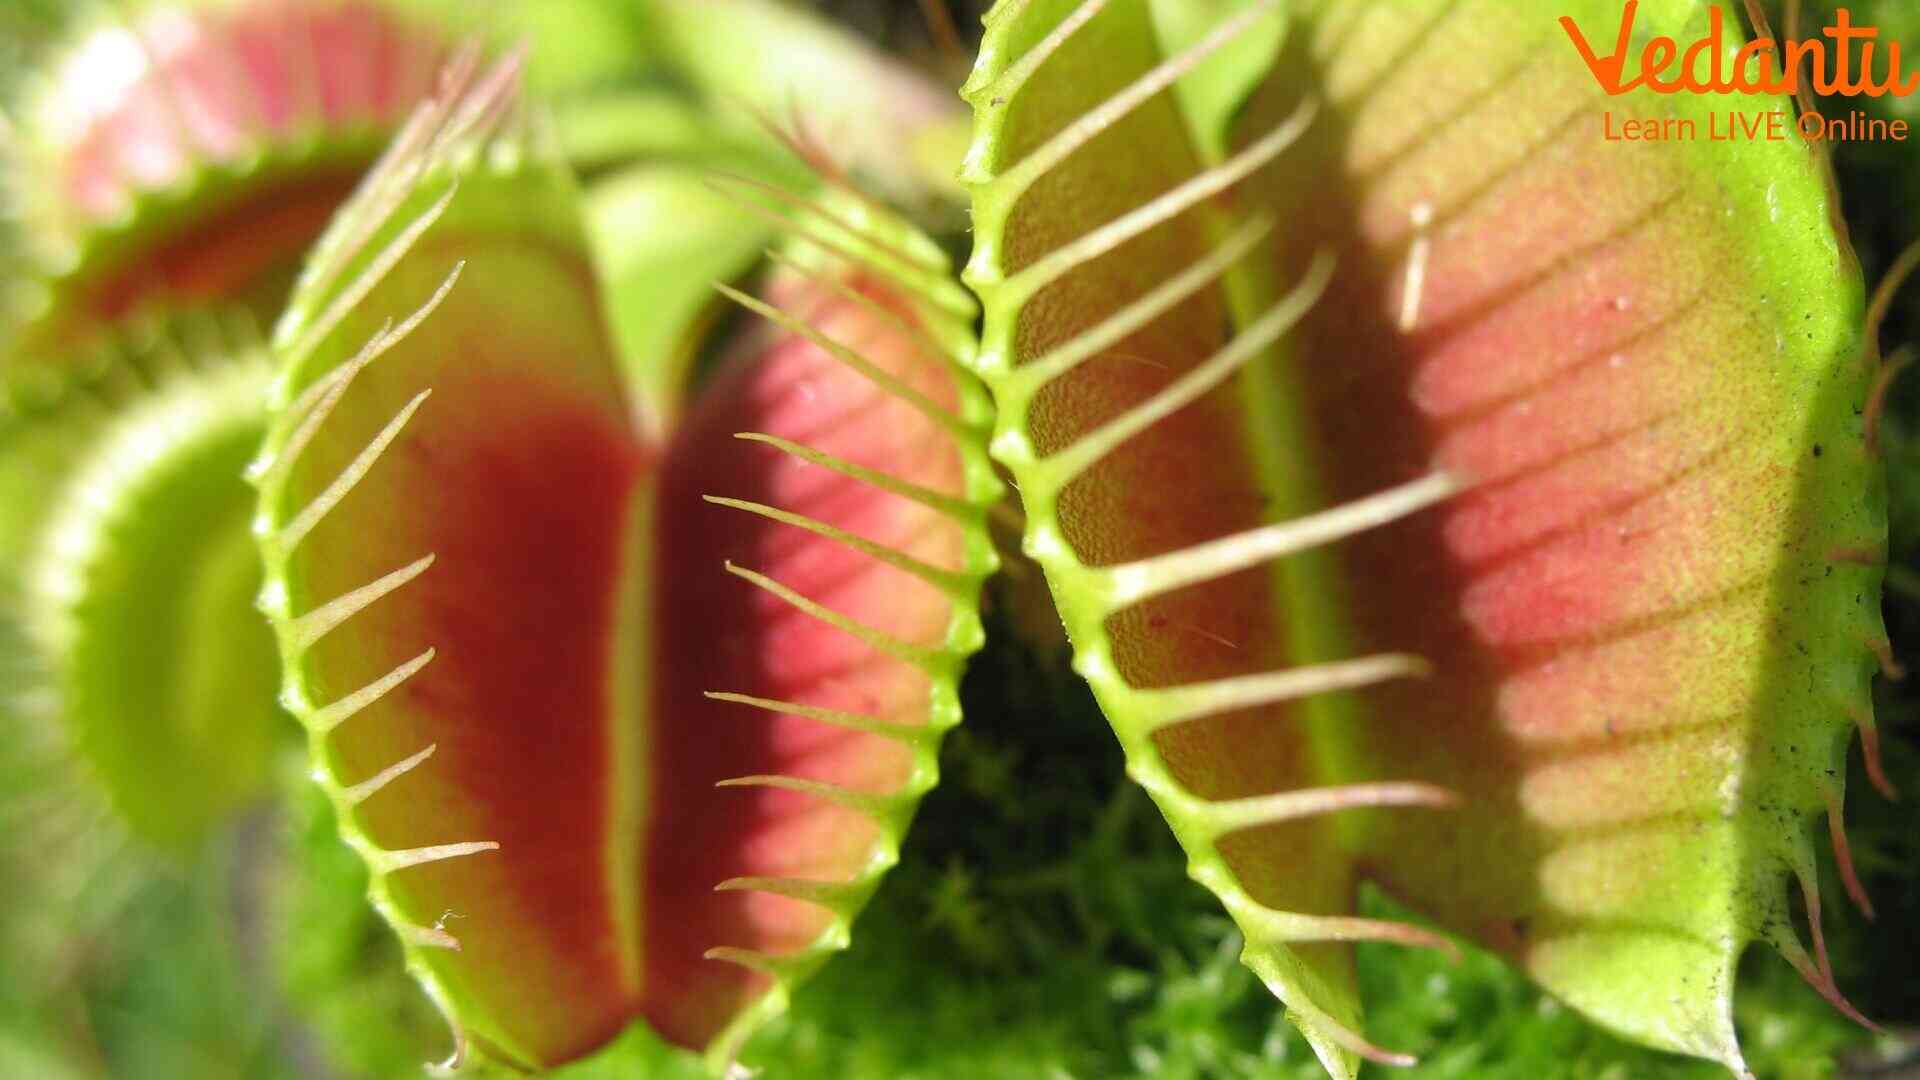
pixel 879 807
pixel 1055 472
pixel 1018 385
pixel 1862 716
pixel 449 126
pixel 387 185
pixel 839 288
pixel 1102 591
pixel 959 509
pixel 836 896
pixel 931 660
pixel 1232 815
pixel 1324 1023
pixel 318 623
pixel 387 862
pixel 1818 970
pixel 911 734
pixel 1131 583
pixel 364 790
pixel 1264 924
pixel 783 968
pixel 317 402
pixel 1176 705
pixel 1015 181
pixel 486 106
pixel 314 512
pixel 313 405
pixel 947 581
pixel 913 275
pixel 324 719
pixel 1049 268
pixel 356 291
pixel 1014 78
pixel 1843 852
pixel 886 381
pixel 409 192
pixel 812 210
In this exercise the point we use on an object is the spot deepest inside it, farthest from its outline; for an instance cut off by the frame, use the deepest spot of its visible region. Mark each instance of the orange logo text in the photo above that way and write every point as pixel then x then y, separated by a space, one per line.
pixel 1829 57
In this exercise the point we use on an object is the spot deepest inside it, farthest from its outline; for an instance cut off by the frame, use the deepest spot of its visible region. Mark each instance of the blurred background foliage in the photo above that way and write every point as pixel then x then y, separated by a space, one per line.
pixel 1040 924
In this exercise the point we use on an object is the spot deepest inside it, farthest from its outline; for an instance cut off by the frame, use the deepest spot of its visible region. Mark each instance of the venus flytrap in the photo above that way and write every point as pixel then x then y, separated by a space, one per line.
pixel 125 608
pixel 625 703
pixel 167 167
pixel 138 696
pixel 203 149
pixel 170 167
pixel 184 154
pixel 180 153
pixel 137 591
pixel 1435 494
